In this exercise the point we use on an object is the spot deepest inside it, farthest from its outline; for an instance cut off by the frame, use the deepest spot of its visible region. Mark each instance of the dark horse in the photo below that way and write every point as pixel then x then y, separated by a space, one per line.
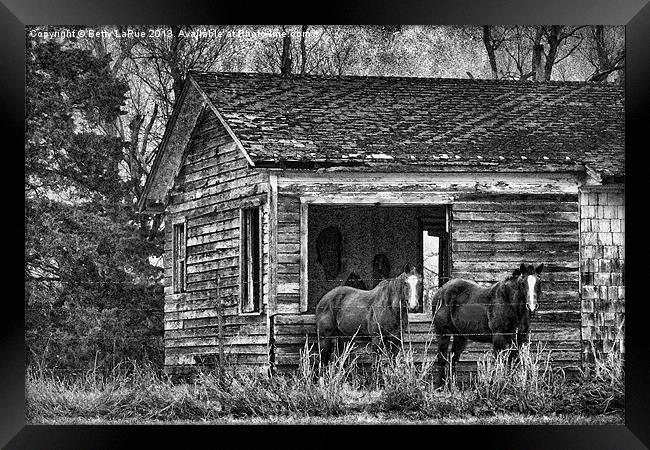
pixel 355 281
pixel 499 314
pixel 381 312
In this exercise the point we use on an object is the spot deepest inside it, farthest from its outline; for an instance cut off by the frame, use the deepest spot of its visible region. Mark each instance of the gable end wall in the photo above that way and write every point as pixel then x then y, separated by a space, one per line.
pixel 213 184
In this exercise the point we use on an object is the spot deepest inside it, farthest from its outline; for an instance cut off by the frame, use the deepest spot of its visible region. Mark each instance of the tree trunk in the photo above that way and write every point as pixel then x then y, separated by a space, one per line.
pixel 601 51
pixel 554 41
pixel 605 62
pixel 489 47
pixel 285 64
pixel 538 49
pixel 174 65
pixel 303 50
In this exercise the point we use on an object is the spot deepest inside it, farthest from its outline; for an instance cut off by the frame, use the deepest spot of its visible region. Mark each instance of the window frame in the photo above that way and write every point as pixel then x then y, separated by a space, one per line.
pixel 247 305
pixel 179 255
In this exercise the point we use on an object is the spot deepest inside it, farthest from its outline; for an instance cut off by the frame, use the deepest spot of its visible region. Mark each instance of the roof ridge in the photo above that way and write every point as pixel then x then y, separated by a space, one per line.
pixel 409 78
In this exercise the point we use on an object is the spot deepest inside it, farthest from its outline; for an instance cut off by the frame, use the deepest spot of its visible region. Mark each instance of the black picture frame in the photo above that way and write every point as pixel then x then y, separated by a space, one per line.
pixel 635 14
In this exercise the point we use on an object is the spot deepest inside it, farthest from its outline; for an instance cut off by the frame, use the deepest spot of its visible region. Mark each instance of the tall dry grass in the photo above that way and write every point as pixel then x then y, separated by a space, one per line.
pixel 403 382
pixel 399 387
pixel 529 385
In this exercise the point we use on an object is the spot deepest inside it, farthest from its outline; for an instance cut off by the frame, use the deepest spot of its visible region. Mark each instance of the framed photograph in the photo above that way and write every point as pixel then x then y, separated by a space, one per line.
pixel 329 224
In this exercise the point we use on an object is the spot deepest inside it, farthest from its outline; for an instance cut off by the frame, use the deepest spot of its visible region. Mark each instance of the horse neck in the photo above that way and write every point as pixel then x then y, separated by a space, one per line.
pixel 391 300
pixel 516 297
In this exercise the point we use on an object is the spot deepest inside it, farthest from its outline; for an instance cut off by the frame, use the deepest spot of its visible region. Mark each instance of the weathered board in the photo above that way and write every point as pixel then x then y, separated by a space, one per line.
pixel 487 245
pixel 560 338
pixel 213 183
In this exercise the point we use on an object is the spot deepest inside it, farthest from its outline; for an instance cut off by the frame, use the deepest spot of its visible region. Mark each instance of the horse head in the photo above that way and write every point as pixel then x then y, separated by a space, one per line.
pixel 529 281
pixel 412 277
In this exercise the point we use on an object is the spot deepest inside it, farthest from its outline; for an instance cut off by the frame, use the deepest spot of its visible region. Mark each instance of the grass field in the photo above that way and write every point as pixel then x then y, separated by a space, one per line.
pixel 395 392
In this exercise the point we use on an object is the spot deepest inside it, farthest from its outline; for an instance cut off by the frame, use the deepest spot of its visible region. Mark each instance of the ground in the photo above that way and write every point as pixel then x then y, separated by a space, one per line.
pixel 363 418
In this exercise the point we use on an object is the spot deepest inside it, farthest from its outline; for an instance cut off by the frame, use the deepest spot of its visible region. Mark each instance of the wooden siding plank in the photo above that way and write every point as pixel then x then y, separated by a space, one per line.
pixel 214 185
pixel 214 156
pixel 213 331
pixel 522 246
pixel 237 192
pixel 508 216
pixel 213 341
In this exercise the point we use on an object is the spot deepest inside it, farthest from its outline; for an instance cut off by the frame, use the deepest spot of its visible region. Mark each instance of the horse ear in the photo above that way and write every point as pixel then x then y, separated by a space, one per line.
pixel 516 273
pixel 522 269
pixel 407 268
pixel 539 268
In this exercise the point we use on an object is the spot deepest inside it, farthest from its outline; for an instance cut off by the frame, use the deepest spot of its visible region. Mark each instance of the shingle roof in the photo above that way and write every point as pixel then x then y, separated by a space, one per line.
pixel 422 123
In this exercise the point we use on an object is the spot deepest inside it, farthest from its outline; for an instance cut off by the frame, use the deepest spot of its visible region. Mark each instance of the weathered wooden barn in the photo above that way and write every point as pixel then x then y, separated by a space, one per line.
pixel 278 188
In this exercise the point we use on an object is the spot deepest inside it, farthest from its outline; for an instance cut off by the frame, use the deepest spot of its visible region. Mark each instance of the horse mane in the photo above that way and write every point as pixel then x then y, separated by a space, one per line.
pixel 390 287
pixel 510 282
pixel 511 277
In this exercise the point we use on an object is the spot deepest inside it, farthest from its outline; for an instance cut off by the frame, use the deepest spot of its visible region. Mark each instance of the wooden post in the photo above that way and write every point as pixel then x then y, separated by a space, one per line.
pixel 220 325
pixel 304 275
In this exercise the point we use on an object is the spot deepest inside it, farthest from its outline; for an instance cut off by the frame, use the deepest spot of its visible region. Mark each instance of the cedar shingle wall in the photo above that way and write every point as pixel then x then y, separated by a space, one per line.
pixel 602 270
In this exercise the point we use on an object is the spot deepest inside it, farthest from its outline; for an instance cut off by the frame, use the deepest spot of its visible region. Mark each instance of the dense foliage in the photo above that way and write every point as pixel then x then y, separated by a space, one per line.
pixel 90 291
